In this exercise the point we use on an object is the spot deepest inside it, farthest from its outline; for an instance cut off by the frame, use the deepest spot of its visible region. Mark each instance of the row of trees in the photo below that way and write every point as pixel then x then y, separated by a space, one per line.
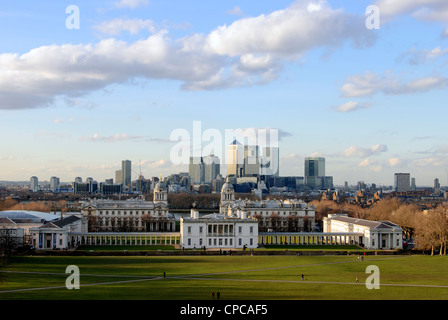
pixel 42 206
pixel 428 228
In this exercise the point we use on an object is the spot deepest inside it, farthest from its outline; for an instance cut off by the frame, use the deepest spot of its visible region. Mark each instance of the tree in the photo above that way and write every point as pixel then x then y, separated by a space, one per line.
pixel 8 242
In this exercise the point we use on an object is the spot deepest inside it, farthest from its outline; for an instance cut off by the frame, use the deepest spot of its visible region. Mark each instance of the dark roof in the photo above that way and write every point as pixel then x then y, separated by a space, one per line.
pixel 6 220
pixel 61 223
pixel 235 142
pixel 66 221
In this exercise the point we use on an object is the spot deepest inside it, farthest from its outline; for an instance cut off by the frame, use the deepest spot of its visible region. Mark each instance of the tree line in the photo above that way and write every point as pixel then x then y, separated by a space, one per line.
pixel 427 228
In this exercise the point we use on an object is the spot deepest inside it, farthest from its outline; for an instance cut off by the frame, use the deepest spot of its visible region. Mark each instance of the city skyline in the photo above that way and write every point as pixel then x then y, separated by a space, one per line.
pixel 76 102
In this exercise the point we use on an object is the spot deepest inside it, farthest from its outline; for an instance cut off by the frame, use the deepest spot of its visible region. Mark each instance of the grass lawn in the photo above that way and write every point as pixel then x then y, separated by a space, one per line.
pixel 235 277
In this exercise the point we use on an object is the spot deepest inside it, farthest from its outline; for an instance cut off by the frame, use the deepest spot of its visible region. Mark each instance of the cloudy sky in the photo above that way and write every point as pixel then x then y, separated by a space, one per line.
pixel 77 96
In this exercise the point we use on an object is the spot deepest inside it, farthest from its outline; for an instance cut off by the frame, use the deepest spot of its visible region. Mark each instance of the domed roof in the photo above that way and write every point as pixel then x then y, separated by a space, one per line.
pixel 227 187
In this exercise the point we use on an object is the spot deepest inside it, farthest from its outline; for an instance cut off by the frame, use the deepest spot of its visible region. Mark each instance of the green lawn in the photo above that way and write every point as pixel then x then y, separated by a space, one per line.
pixel 235 277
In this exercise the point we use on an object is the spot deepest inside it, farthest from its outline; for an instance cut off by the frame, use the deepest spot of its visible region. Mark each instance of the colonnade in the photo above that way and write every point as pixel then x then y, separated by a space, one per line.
pixel 309 238
pixel 131 238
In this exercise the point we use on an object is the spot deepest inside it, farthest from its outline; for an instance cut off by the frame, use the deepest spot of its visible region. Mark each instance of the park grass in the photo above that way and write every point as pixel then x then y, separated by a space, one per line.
pixel 236 277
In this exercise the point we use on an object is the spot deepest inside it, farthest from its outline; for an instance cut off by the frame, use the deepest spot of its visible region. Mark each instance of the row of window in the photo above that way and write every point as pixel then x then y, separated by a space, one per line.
pixel 221 242
pixel 219 230
pixel 284 213
pixel 157 214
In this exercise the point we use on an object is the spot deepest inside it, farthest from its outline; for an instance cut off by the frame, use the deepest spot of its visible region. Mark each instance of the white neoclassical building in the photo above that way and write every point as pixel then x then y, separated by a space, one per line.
pixel 375 234
pixel 134 215
pixel 290 215
pixel 218 231
pixel 55 234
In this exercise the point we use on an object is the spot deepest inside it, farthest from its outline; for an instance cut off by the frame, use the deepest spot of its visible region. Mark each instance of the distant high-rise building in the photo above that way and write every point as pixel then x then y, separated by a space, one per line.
pixel 235 159
pixel 270 165
pixel 251 164
pixel 78 179
pixel 118 177
pixel 436 186
pixel 212 168
pixel 126 168
pixel 413 186
pixel 314 167
pixel 34 184
pixel 196 170
pixel 54 184
pixel 315 174
pixel 402 182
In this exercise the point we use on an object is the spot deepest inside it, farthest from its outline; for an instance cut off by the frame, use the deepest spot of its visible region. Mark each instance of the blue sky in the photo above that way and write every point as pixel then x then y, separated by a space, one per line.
pixel 75 102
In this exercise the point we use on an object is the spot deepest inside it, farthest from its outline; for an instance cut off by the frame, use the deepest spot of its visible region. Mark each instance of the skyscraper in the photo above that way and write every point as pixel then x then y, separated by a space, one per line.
pixel 314 167
pixel 196 170
pixel 315 174
pixel 34 184
pixel 212 168
pixel 402 182
pixel 204 169
pixel 235 159
pixel 270 165
pixel 126 167
pixel 54 184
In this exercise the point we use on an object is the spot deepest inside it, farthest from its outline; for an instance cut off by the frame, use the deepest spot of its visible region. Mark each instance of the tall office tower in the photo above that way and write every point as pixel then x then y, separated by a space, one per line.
pixel 78 179
pixel 54 184
pixel 315 174
pixel 235 159
pixel 251 165
pixel 436 186
pixel 196 169
pixel 34 184
pixel 126 173
pixel 402 182
pixel 212 168
pixel 118 177
pixel 413 186
pixel 314 167
pixel 270 164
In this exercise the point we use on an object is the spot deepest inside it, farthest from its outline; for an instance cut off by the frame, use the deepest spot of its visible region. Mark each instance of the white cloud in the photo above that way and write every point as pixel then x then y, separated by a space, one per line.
pixel 393 162
pixel 368 84
pixel 351 106
pixel 131 3
pixel 117 26
pixel 236 11
pixel 366 163
pixel 360 152
pixel 433 10
pixel 416 57
pixel 229 56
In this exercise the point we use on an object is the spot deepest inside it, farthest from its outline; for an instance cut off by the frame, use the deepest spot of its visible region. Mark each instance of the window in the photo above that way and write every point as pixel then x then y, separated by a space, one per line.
pixel 251 229
pixel 240 241
pixel 189 241
pixel 200 229
pixel 231 242
pixel 251 241
pixel 189 229
pixel 209 242
pixel 200 242
pixel 240 229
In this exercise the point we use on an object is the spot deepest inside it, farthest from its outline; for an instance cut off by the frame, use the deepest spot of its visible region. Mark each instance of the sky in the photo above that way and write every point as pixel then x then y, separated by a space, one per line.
pixel 87 84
